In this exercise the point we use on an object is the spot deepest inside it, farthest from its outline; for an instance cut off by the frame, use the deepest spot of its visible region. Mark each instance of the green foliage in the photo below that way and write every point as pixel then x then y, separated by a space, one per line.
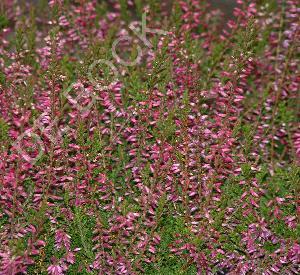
pixel 161 69
pixel 4 22
pixel 155 8
pixel 231 191
pixel 3 219
pixel 124 10
pixel 165 128
pixel 167 263
pixel 81 233
pixel 139 8
pixel 20 40
pixel 134 86
pixel 101 9
pixel 185 111
pixel 2 78
pixel 248 133
pixel 286 114
pixel 176 17
pixel 37 217
pixel 68 68
pixel 3 131
pixel 270 247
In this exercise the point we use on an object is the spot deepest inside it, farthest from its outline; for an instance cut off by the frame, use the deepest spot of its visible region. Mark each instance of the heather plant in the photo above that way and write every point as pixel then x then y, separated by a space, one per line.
pixel 149 137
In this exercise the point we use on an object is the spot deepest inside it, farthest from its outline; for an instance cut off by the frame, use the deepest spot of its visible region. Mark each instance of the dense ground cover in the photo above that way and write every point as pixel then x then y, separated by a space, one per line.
pixel 166 148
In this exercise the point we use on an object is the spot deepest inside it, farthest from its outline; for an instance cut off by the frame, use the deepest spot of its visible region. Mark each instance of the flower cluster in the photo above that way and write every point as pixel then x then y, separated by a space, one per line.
pixel 186 162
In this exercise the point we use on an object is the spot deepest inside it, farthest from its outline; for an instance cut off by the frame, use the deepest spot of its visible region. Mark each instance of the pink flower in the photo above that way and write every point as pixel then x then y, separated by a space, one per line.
pixel 55 270
pixel 62 240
